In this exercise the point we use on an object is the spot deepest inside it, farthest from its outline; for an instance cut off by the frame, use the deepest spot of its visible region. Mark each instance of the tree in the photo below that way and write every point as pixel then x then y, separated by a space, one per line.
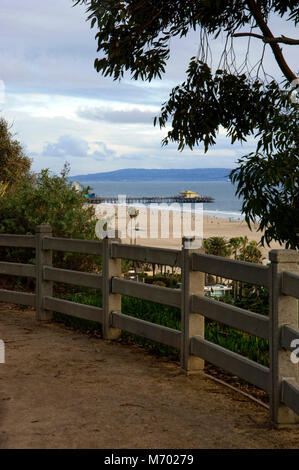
pixel 14 164
pixel 134 35
pixel 53 200
pixel 217 246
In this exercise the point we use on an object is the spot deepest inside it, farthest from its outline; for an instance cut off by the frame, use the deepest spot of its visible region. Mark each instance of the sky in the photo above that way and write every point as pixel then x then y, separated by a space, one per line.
pixel 62 110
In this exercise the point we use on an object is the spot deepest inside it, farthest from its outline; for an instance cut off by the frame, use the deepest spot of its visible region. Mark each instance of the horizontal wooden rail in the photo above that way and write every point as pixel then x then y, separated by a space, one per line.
pixel 160 295
pixel 17 269
pixel 147 254
pixel 20 298
pixel 76 278
pixel 290 394
pixel 287 335
pixel 236 317
pixel 148 330
pixel 234 363
pixel 88 247
pixel 86 312
pixel 18 241
pixel 231 269
pixel 290 284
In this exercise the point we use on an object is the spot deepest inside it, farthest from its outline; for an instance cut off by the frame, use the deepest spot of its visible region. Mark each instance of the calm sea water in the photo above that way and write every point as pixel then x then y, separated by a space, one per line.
pixel 225 204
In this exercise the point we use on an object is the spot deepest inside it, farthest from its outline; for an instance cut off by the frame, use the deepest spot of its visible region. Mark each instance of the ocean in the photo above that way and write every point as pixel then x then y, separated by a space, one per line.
pixel 225 205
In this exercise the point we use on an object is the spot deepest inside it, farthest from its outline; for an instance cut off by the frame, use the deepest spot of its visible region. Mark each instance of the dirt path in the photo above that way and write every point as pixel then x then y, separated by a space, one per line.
pixel 63 389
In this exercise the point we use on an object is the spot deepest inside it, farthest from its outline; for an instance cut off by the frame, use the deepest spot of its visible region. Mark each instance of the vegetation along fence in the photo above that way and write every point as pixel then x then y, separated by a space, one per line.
pixel 281 277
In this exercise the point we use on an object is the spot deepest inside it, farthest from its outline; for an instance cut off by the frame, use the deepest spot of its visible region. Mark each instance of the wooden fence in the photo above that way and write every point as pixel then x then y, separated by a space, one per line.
pixel 281 277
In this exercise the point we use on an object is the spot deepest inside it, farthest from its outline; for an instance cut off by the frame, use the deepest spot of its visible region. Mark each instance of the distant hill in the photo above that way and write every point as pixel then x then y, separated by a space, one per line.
pixel 141 174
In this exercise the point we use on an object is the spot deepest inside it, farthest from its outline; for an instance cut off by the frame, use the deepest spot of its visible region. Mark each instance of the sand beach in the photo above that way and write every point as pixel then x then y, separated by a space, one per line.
pixel 165 228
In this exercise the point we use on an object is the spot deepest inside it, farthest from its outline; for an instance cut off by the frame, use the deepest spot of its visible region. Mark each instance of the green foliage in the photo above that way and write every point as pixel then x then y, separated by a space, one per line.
pixel 255 299
pixel 256 349
pixel 217 246
pixel 48 199
pixel 14 165
pixel 239 247
pixel 148 311
pixel 134 36
pixel 269 186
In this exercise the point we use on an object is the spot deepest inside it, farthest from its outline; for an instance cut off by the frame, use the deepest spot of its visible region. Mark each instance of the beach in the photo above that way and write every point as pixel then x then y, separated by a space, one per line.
pixel 163 228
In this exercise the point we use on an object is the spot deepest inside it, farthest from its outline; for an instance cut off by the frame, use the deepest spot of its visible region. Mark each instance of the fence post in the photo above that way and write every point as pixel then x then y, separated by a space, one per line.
pixel 283 310
pixel 111 302
pixel 192 324
pixel 43 258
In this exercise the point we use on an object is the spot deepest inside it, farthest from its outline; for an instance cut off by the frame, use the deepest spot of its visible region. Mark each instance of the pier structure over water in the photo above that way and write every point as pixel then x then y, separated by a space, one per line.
pixel 150 200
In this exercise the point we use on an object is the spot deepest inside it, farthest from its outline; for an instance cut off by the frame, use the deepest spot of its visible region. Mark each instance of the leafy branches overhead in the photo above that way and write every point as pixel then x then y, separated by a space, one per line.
pixel 205 102
pixel 134 36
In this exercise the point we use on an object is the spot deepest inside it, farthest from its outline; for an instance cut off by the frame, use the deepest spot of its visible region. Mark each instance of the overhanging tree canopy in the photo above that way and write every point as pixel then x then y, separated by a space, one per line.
pixel 134 36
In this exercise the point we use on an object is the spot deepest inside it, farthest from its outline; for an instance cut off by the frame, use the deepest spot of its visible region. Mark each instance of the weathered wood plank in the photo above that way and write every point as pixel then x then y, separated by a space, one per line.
pixel 290 394
pixel 290 284
pixel 77 278
pixel 147 254
pixel 20 298
pixel 236 317
pixel 89 247
pixel 161 295
pixel 231 269
pixel 287 335
pixel 19 241
pixel 234 363
pixel 86 312
pixel 148 330
pixel 17 269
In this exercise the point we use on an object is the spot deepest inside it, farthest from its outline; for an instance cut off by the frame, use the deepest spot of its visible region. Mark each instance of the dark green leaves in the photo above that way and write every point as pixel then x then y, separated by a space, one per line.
pixel 205 102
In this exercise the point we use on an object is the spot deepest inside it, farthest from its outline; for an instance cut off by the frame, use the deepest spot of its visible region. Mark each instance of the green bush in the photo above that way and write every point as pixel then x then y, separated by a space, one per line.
pixel 53 200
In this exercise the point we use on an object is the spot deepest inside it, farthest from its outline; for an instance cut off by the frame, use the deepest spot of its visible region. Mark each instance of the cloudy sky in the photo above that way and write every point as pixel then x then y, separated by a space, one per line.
pixel 62 110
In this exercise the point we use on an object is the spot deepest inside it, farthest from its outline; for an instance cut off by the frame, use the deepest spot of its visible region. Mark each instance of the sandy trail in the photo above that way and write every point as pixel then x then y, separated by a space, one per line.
pixel 63 389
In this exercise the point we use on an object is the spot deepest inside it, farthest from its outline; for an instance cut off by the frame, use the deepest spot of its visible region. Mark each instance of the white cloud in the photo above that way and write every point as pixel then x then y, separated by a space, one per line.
pixel 63 110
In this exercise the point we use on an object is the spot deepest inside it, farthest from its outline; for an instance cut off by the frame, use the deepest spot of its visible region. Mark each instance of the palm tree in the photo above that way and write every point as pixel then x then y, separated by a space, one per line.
pixel 217 246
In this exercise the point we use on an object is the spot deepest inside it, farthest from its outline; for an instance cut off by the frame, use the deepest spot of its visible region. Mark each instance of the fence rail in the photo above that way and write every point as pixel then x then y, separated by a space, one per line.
pixel 18 241
pixel 250 322
pixel 290 284
pixel 146 254
pixel 290 394
pixel 161 295
pixel 20 298
pixel 288 335
pixel 159 333
pixel 280 328
pixel 87 312
pixel 231 269
pixel 88 247
pixel 17 269
pixel 76 278
pixel 234 363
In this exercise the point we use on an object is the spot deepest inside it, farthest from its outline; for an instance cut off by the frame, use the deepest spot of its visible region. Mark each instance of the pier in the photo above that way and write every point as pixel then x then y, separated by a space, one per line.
pixel 149 200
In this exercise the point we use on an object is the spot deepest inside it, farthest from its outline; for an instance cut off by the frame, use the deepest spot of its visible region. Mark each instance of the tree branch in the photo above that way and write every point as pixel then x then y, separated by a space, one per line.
pixel 282 39
pixel 258 16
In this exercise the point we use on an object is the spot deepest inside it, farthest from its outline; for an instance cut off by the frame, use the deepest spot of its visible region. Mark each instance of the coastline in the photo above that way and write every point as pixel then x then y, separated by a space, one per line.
pixel 211 226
